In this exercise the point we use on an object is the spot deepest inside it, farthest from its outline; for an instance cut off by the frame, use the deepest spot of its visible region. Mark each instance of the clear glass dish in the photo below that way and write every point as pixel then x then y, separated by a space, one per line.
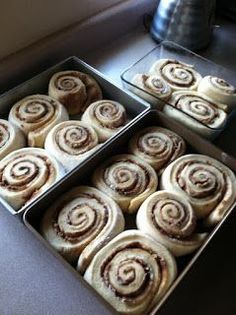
pixel 171 50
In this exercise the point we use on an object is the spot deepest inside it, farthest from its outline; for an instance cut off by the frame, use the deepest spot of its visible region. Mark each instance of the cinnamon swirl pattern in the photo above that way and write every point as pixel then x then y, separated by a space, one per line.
pixel 157 146
pixel 106 117
pixel 25 174
pixel 170 219
pixel 152 88
pixel 127 179
pixel 35 115
pixel 75 90
pixel 207 184
pixel 70 142
pixel 11 138
pixel 219 90
pixel 196 111
pixel 177 74
pixel 132 272
pixel 80 223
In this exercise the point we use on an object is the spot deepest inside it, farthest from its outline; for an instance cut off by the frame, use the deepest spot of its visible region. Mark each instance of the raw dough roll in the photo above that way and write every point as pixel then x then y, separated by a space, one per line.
pixel 196 111
pixel 156 90
pixel 127 179
pixel 132 272
pixel 75 90
pixel 81 222
pixel 207 184
pixel 35 115
pixel 70 142
pixel 177 74
pixel 219 90
pixel 170 219
pixel 157 146
pixel 25 174
pixel 11 138
pixel 106 117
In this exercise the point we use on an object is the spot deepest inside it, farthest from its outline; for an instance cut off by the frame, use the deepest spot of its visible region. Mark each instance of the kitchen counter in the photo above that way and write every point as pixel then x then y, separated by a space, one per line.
pixel 25 276
pixel 115 57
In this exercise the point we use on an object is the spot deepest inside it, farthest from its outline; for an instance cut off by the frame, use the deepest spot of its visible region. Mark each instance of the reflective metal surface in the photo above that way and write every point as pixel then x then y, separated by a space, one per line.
pixel 186 22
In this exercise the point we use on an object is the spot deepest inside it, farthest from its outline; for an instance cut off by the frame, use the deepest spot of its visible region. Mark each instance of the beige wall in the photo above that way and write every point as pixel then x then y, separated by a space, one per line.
pixel 23 22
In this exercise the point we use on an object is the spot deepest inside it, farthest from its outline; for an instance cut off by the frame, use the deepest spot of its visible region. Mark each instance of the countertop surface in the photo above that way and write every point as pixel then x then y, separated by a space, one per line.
pixel 31 285
pixel 118 55
pixel 26 277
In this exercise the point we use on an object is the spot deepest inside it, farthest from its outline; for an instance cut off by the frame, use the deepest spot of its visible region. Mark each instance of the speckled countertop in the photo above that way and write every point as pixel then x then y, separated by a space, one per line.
pixel 26 278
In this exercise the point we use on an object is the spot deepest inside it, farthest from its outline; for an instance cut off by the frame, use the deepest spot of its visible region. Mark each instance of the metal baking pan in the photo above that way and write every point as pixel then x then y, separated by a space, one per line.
pixel 195 144
pixel 39 84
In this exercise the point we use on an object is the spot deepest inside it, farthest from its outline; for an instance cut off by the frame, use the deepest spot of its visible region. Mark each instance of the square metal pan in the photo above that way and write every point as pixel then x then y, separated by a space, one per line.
pixel 39 84
pixel 195 144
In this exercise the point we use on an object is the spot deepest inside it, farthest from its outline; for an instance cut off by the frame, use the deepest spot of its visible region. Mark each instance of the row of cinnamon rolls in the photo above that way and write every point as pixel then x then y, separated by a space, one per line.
pixel 175 199
pixel 42 138
pixel 200 103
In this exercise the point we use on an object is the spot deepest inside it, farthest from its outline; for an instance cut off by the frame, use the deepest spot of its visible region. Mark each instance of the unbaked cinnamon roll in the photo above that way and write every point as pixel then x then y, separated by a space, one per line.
pixel 11 138
pixel 127 179
pixel 25 174
pixel 196 111
pixel 75 90
pixel 152 88
pixel 157 146
pixel 35 115
pixel 132 272
pixel 171 220
pixel 80 223
pixel 70 142
pixel 177 74
pixel 106 117
pixel 219 90
pixel 207 184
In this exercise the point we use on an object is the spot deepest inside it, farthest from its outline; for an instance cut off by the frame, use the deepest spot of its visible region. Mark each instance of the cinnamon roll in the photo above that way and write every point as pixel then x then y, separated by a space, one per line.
pixel 70 142
pixel 25 174
pixel 196 111
pixel 157 146
pixel 127 179
pixel 151 88
pixel 106 117
pixel 132 272
pixel 11 138
pixel 171 220
pixel 75 90
pixel 35 115
pixel 80 223
pixel 219 90
pixel 178 75
pixel 207 184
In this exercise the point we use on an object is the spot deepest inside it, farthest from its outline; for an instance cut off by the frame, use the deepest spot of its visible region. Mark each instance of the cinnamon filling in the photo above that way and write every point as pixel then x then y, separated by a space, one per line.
pixel 148 276
pixel 92 229
pixel 135 187
pixel 181 66
pixel 4 134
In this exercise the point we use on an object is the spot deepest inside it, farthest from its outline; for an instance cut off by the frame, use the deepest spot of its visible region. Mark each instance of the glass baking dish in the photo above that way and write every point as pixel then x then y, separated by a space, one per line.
pixel 171 50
